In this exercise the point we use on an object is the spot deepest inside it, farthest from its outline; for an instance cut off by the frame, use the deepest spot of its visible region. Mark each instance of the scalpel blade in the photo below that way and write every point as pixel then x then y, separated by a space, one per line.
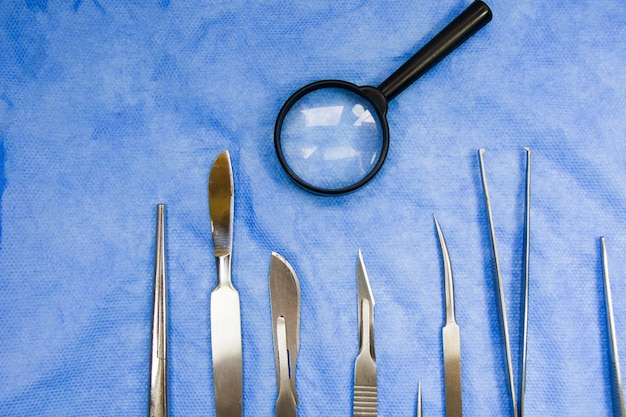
pixel 285 300
pixel 365 385
pixel 225 312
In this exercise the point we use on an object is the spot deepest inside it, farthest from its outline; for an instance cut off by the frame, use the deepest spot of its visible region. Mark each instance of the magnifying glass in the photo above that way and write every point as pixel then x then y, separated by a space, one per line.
pixel 332 136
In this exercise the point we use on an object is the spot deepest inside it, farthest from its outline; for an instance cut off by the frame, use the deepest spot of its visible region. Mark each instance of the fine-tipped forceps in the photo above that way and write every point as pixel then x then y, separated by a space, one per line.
pixel 451 338
pixel 158 359
pixel 419 400
pixel 616 378
pixel 517 398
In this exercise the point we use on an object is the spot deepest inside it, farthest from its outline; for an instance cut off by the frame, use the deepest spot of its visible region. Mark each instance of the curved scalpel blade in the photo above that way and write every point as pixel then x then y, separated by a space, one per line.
pixel 285 300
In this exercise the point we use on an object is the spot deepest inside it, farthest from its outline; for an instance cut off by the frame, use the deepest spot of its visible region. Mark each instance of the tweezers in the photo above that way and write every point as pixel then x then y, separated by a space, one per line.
pixel 616 378
pixel 504 330
pixel 158 359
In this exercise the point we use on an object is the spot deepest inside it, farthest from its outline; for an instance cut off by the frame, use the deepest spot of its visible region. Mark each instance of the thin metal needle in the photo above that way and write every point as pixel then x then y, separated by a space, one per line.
pixel 158 368
pixel 524 340
pixel 504 329
pixel 616 378
pixel 419 399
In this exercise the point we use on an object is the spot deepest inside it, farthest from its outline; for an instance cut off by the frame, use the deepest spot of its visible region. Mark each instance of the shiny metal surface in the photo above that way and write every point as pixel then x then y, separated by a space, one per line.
pixel 524 326
pixel 285 301
pixel 158 357
pixel 365 384
pixel 616 378
pixel 517 398
pixel 419 400
pixel 451 338
pixel 225 309
pixel 286 401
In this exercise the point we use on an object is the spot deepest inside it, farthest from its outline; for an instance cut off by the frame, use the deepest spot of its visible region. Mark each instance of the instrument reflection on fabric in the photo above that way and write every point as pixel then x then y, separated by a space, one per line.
pixel 332 136
pixel 451 335
pixel 158 356
pixel 365 385
pixel 285 300
pixel 517 408
pixel 225 311
pixel 616 377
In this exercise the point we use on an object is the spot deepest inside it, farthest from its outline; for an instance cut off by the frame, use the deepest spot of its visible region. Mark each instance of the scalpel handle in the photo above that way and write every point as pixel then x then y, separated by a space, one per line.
pixel 226 344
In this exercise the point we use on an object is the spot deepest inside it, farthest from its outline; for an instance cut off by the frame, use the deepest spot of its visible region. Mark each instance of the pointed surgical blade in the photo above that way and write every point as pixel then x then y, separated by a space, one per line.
pixel 616 377
pixel 285 301
pixel 451 338
pixel 225 310
pixel 365 385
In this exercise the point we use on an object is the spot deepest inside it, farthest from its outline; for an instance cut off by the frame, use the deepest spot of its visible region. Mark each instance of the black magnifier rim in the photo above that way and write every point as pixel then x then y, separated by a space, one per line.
pixel 295 97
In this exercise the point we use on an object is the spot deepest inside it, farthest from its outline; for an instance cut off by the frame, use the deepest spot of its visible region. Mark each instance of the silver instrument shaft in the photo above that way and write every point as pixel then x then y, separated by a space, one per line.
pixel 419 400
pixel 616 378
pixel 158 359
pixel 451 334
pixel 517 398
pixel 525 294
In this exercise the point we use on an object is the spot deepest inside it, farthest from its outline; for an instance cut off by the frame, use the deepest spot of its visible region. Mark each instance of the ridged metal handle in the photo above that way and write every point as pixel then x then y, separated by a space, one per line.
pixel 365 401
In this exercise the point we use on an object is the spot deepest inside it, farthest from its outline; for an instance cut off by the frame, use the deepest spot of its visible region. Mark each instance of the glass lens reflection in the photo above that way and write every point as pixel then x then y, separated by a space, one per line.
pixel 331 138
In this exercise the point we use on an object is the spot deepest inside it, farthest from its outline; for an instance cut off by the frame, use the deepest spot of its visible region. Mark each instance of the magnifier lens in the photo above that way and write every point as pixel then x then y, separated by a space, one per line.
pixel 332 138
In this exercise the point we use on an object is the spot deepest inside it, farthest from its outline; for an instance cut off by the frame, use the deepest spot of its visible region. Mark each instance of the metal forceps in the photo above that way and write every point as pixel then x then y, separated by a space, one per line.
pixel 158 358
pixel 516 404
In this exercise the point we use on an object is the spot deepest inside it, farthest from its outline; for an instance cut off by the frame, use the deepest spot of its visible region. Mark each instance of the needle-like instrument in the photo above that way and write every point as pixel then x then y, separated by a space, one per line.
pixel 419 400
pixel 616 377
pixel 517 398
pixel 158 357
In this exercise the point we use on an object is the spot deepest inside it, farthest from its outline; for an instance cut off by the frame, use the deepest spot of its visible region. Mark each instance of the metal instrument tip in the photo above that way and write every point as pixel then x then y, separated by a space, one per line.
pixel 365 290
pixel 419 399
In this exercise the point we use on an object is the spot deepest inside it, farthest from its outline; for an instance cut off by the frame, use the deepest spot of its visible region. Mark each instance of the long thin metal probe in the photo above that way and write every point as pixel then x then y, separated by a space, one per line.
pixel 419 399
pixel 616 378
pixel 524 339
pixel 158 360
pixel 504 329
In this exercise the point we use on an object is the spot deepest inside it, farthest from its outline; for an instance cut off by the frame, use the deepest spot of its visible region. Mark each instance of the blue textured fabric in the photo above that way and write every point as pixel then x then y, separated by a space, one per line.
pixel 110 107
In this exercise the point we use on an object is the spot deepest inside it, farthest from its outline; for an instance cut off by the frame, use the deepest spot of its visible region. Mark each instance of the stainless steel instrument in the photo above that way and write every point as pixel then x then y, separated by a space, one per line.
pixel 616 377
pixel 365 385
pixel 158 357
pixel 517 399
pixel 451 338
pixel 225 310
pixel 285 300
pixel 419 400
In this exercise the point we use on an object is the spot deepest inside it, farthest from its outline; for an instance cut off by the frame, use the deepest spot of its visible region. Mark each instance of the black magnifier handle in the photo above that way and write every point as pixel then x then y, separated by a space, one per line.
pixel 458 31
